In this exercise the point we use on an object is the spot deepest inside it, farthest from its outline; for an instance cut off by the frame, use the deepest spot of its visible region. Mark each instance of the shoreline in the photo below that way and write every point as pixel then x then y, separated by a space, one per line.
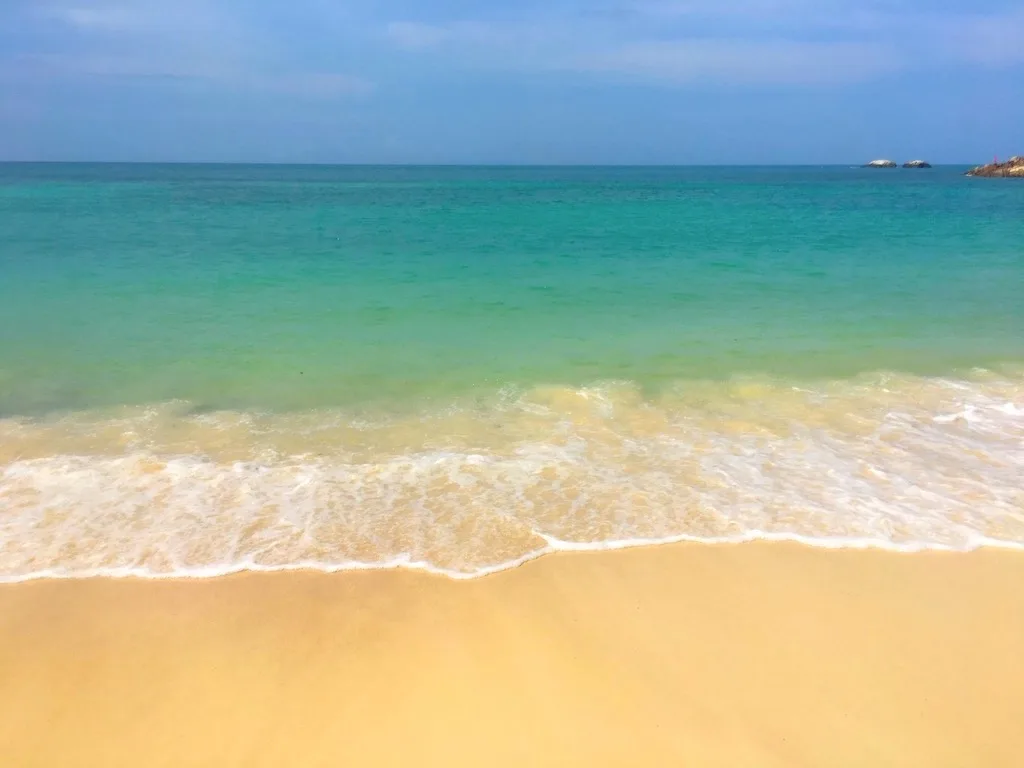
pixel 760 654
pixel 558 548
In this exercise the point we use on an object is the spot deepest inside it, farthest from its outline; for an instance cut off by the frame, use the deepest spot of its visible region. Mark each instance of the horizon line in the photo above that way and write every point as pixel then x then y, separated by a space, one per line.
pixel 273 163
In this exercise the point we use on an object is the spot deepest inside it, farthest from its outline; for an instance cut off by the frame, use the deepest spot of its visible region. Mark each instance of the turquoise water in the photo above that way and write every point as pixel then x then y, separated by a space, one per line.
pixel 284 287
pixel 342 319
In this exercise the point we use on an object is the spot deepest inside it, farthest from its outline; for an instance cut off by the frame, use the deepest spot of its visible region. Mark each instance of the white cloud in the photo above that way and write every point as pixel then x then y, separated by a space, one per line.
pixel 671 41
pixel 302 84
pixel 742 61
pixel 996 40
pixel 770 9
pixel 316 85
pixel 98 18
pixel 501 39
pixel 197 40
pixel 415 35
pixel 142 18
pixel 738 42
pixel 682 59
pixel 187 38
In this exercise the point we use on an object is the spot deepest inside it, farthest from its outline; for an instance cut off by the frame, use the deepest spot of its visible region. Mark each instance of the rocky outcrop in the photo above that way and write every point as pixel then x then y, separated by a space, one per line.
pixel 917 164
pixel 1012 168
pixel 881 164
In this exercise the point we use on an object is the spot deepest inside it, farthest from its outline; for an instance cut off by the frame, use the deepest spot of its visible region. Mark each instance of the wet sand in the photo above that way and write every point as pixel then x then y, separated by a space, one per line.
pixel 750 655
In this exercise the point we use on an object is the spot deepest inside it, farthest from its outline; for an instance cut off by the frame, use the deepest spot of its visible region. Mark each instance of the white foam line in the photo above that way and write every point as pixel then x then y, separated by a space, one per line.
pixel 837 542
pixel 215 571
pixel 554 545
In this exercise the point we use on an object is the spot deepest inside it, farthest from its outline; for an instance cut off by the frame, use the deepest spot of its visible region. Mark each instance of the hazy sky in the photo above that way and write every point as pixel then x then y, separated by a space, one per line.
pixel 560 81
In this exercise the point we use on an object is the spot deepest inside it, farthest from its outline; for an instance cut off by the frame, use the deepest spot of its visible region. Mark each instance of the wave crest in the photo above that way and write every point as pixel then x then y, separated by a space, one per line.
pixel 895 461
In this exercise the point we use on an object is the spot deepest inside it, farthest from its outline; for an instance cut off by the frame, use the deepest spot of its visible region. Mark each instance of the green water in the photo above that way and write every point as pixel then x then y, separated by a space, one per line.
pixel 206 369
pixel 277 288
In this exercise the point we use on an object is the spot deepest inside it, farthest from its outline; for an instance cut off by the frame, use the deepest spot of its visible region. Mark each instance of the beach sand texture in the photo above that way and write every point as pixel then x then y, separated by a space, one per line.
pixel 760 654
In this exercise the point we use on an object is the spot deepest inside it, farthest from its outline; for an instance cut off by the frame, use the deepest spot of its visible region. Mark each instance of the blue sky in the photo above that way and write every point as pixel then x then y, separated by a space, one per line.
pixel 561 81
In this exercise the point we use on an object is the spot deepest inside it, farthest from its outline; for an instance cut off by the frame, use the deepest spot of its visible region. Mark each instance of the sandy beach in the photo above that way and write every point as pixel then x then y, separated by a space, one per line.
pixel 748 655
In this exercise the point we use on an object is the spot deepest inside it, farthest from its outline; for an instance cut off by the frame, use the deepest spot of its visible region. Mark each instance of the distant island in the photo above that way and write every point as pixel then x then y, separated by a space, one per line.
pixel 893 164
pixel 1012 168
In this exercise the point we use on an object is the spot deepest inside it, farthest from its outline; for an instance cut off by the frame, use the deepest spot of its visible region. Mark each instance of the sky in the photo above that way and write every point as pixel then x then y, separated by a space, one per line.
pixel 515 81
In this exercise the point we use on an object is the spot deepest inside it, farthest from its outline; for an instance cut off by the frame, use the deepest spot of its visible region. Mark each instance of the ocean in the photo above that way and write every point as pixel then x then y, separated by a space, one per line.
pixel 207 369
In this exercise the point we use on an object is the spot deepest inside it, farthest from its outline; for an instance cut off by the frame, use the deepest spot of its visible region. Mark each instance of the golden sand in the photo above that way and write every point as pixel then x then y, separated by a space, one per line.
pixel 750 655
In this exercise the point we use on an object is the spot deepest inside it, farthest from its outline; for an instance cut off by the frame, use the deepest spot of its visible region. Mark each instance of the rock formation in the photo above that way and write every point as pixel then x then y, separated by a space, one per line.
pixel 881 164
pixel 917 164
pixel 1012 168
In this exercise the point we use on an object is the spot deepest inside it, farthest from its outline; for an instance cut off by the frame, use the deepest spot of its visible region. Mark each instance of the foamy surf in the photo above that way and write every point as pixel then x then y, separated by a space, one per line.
pixel 893 462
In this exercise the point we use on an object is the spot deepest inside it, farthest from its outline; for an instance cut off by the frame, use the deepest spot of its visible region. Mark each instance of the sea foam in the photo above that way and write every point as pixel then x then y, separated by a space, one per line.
pixel 896 462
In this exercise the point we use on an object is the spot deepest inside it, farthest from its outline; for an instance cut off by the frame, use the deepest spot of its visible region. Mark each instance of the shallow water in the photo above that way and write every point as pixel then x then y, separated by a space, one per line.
pixel 204 369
